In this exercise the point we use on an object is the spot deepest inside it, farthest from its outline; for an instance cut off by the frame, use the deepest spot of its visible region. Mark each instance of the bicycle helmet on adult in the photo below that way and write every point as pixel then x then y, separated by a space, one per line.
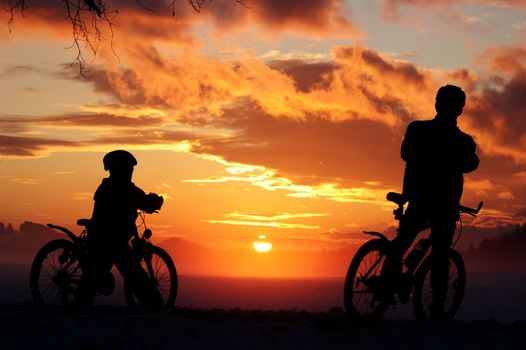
pixel 119 159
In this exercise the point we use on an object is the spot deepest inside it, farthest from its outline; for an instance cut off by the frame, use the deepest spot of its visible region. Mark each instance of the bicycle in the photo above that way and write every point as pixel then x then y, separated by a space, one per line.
pixel 57 268
pixel 365 286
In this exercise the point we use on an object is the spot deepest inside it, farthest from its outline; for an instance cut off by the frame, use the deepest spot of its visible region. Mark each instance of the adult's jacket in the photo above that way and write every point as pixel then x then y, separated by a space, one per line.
pixel 437 154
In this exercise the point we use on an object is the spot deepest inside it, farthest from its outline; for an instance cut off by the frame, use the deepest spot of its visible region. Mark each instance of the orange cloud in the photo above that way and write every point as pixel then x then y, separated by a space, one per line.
pixel 284 216
pixel 165 21
pixel 318 17
pixel 329 129
pixel 497 109
pixel 275 116
pixel 263 224
pixel 194 87
pixel 326 130
pixel 18 146
pixel 509 60
pixel 391 8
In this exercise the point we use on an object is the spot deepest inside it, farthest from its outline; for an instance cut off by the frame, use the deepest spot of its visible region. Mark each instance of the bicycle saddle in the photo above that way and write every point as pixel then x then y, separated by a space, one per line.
pixel 397 198
pixel 84 222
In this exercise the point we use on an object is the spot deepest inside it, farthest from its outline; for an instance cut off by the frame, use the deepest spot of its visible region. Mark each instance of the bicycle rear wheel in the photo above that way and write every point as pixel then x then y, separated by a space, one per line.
pixel 162 272
pixel 423 293
pixel 363 286
pixel 55 274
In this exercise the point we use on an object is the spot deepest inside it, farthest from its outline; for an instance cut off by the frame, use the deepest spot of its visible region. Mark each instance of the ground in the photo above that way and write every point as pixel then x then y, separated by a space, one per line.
pixel 112 327
pixel 255 313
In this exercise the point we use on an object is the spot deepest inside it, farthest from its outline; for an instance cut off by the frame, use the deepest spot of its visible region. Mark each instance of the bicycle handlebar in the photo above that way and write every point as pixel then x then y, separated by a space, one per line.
pixel 471 211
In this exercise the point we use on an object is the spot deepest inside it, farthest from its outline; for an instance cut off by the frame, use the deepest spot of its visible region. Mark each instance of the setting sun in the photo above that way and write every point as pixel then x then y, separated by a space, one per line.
pixel 262 246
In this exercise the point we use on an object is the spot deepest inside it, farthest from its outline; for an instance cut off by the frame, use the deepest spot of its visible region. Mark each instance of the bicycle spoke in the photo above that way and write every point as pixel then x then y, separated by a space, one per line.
pixel 51 279
pixel 454 292
pixel 363 299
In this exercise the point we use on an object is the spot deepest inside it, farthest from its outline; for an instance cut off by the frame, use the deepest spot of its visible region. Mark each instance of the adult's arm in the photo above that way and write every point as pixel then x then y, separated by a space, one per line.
pixel 469 161
pixel 408 144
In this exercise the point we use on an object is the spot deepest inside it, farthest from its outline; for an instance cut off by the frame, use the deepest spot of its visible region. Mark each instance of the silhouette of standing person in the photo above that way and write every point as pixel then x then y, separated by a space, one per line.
pixel 437 154
pixel 111 227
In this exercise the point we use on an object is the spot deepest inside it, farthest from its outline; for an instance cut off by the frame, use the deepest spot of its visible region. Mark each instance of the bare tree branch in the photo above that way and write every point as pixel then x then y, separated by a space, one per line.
pixel 88 19
pixel 17 5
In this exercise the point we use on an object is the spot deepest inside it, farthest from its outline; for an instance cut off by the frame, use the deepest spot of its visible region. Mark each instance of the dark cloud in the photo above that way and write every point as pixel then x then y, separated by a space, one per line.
pixel 498 108
pixel 34 146
pixel 318 15
pixel 80 119
pixel 403 70
pixel 30 146
pixel 15 70
pixel 389 105
pixel 313 149
pixel 143 137
pixel 172 21
pixel 391 8
pixel 322 17
pixel 521 212
pixel 400 71
pixel 509 102
pixel 128 20
pixel 306 75
pixel 130 88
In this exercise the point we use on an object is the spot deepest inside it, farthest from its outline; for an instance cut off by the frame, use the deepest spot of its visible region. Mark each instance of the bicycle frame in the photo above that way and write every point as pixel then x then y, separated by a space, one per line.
pixel 66 261
pixel 71 235
pixel 80 245
pixel 370 288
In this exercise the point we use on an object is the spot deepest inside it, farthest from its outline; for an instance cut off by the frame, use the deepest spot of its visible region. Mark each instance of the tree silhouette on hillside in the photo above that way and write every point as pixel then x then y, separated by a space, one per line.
pixel 503 253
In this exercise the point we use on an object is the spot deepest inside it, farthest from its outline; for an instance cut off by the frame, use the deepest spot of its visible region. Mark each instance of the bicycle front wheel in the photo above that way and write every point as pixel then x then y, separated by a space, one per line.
pixel 423 293
pixel 363 286
pixel 163 274
pixel 55 274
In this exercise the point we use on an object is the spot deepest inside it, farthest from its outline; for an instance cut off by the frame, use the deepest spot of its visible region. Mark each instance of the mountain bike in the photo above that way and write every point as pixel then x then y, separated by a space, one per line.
pixel 365 283
pixel 57 268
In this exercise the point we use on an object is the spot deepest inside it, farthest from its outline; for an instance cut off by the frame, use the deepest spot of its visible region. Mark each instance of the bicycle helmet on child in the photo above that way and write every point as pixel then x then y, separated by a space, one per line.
pixel 119 159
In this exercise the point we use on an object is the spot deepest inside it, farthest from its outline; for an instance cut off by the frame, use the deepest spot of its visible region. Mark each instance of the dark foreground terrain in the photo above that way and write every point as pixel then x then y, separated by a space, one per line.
pixel 115 327
pixel 254 313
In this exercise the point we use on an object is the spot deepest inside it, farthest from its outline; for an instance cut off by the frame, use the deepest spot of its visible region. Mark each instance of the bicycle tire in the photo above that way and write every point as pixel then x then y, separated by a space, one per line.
pixel 423 294
pixel 165 276
pixel 362 304
pixel 54 274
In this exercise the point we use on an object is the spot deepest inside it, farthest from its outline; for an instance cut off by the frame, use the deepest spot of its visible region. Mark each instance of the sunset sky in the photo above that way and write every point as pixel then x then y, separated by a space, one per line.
pixel 281 118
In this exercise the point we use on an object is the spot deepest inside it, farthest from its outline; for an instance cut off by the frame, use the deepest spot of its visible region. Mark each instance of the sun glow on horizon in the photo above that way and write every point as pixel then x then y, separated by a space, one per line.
pixel 262 246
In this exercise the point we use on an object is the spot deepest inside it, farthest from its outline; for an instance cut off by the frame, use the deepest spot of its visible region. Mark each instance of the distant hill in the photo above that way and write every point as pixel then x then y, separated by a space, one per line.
pixel 506 252
pixel 21 246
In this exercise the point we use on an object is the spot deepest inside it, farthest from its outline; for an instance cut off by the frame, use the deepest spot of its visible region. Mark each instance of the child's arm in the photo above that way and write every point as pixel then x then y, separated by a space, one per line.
pixel 150 202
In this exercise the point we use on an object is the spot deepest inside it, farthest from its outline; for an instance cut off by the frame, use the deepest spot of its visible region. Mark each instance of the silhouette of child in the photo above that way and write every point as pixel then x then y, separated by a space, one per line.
pixel 111 227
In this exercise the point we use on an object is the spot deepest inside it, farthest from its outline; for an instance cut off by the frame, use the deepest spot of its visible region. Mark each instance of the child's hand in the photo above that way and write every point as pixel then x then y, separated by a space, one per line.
pixel 154 202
